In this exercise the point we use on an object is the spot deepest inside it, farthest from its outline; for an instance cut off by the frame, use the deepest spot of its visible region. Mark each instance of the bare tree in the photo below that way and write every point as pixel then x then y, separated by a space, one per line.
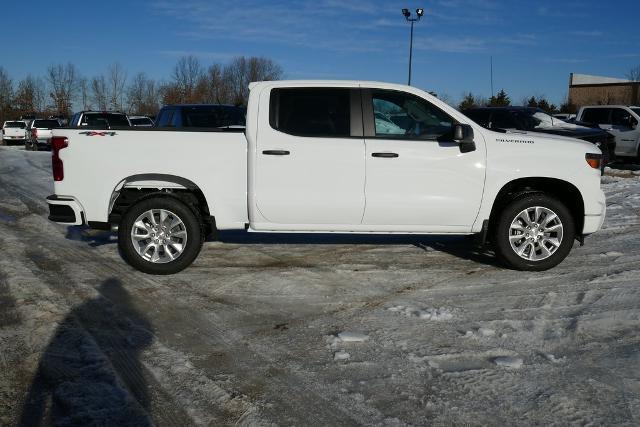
pixel 63 80
pixel 99 91
pixel 6 94
pixel 30 95
pixel 143 95
pixel 186 74
pixel 242 71
pixel 634 74
pixel 85 93
pixel 117 80
pixel 212 88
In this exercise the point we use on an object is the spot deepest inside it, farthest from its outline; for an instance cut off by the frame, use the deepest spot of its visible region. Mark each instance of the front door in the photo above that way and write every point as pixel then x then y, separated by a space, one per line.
pixel 624 128
pixel 310 159
pixel 417 176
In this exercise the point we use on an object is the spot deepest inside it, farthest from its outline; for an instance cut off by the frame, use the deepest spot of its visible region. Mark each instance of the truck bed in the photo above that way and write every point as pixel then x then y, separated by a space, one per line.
pixel 97 162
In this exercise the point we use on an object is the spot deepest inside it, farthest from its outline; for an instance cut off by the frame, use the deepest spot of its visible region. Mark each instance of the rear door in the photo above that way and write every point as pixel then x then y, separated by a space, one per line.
pixel 310 165
pixel 418 178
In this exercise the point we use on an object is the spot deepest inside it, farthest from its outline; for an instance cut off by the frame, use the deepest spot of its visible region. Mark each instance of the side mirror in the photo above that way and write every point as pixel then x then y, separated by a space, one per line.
pixel 633 123
pixel 462 134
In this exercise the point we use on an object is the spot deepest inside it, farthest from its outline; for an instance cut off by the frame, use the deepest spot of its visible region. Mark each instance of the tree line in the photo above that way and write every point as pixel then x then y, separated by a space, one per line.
pixel 502 99
pixel 63 89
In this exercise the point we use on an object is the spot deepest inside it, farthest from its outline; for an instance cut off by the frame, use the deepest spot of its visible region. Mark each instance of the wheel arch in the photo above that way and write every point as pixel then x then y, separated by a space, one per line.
pixel 564 191
pixel 135 188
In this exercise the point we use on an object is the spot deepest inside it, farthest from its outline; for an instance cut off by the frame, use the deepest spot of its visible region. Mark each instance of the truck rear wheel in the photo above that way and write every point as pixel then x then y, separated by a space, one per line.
pixel 534 232
pixel 160 235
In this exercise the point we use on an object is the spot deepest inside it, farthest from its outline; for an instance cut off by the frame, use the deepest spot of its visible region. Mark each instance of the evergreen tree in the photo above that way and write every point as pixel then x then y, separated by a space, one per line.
pixel 469 101
pixel 500 100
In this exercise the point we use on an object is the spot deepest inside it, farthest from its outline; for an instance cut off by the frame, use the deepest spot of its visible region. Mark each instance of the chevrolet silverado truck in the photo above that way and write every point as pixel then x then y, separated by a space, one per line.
pixel 329 156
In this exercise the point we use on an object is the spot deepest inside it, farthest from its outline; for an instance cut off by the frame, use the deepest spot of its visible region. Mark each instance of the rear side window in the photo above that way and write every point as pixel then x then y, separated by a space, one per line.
pixel 314 112
pixel 596 115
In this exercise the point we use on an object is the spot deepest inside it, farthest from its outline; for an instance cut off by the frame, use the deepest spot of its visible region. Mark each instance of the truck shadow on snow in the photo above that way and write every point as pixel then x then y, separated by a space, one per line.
pixel 463 247
pixel 90 372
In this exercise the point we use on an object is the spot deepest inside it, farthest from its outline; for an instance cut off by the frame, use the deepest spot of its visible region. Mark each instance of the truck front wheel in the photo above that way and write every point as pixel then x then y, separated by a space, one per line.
pixel 534 232
pixel 160 235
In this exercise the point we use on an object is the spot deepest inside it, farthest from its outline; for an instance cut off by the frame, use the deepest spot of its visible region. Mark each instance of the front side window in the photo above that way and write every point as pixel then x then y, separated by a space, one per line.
pixel 406 116
pixel 620 117
pixel 597 116
pixel 313 112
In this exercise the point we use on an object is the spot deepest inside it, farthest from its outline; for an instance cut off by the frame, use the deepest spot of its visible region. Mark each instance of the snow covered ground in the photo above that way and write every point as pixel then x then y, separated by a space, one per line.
pixel 320 330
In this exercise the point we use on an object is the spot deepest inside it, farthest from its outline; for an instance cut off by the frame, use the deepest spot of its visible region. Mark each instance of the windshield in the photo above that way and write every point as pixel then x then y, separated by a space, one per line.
pixel 636 110
pixel 46 124
pixel 20 125
pixel 537 119
pixel 545 120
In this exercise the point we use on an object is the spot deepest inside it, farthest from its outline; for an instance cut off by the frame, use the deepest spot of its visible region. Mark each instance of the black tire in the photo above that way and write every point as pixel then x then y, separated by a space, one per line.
pixel 192 225
pixel 501 233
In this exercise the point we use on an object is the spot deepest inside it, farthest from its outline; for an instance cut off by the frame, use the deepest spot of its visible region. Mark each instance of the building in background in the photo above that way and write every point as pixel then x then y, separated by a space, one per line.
pixel 596 90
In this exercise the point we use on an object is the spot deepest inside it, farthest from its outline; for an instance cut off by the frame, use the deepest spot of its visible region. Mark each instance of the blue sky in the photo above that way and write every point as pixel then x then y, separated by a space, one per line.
pixel 534 44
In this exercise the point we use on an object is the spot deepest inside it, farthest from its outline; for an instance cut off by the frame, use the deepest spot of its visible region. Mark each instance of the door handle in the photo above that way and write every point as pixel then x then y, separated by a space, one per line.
pixel 276 152
pixel 385 155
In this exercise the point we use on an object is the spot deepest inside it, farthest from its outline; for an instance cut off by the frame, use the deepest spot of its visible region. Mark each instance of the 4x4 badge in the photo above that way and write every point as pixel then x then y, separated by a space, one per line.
pixel 93 133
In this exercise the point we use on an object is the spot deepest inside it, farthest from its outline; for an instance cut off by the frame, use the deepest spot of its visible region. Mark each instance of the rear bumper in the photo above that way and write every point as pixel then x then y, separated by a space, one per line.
pixel 65 210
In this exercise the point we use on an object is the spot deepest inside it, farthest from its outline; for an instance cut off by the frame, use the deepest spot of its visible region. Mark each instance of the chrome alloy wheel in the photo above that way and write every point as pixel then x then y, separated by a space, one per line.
pixel 159 236
pixel 535 233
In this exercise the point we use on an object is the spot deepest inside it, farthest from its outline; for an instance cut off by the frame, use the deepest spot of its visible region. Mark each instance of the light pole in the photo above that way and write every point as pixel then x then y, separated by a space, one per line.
pixel 407 16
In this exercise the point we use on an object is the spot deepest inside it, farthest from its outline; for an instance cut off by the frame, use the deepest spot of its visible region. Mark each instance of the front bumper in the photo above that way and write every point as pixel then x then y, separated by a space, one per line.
pixel 593 222
pixel 65 210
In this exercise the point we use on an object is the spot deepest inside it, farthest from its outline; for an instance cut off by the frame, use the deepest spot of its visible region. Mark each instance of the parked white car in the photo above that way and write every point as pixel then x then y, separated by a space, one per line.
pixel 330 156
pixel 14 131
pixel 619 120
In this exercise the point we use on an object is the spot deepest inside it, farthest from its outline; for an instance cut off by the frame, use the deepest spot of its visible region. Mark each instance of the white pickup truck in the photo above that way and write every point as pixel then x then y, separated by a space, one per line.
pixel 14 131
pixel 620 121
pixel 330 156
